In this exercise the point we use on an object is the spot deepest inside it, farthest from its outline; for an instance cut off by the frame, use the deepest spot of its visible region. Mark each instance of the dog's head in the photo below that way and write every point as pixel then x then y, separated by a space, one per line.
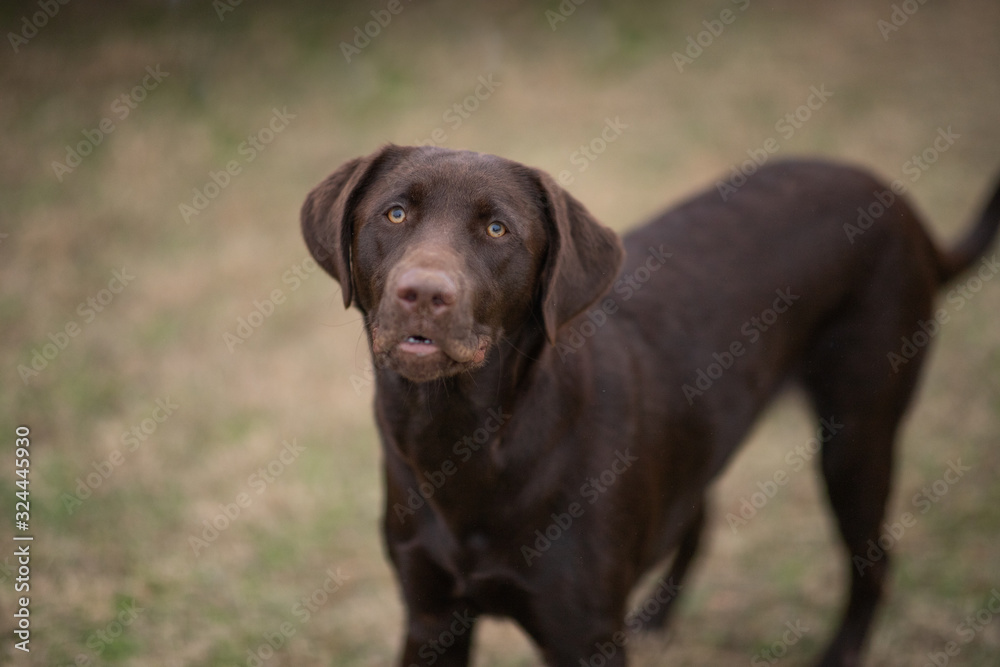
pixel 445 252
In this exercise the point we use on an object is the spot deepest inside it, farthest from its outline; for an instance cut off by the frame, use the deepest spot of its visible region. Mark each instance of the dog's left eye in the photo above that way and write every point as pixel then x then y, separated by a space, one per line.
pixel 396 214
pixel 496 229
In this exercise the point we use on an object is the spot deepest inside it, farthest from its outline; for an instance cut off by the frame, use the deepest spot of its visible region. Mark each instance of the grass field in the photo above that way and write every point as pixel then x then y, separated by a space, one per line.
pixel 179 367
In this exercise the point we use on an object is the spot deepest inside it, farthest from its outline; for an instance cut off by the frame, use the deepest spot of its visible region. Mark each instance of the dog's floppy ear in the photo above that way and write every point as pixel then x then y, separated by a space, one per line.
pixel 583 259
pixel 326 216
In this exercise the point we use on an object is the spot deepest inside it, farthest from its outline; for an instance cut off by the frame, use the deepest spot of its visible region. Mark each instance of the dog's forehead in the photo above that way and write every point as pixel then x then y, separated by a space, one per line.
pixel 465 178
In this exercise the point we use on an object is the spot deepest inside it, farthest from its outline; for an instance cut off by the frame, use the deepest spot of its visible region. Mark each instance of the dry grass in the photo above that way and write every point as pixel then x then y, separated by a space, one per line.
pixel 292 379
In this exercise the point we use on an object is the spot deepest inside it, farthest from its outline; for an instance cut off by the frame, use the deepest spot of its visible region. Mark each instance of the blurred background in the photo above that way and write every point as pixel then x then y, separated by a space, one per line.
pixel 204 472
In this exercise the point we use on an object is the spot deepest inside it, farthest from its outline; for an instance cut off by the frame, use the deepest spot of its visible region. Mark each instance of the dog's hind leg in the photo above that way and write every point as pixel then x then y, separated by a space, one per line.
pixel 860 397
pixel 856 464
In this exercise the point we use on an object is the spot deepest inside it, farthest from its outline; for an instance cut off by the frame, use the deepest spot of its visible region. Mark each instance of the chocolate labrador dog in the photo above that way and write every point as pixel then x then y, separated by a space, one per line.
pixel 553 402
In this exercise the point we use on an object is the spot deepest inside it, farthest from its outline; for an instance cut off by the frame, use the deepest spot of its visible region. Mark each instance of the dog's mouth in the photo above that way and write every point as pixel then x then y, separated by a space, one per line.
pixel 417 345
pixel 420 357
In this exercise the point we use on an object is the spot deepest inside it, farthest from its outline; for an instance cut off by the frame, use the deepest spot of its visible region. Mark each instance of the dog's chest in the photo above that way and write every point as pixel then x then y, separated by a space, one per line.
pixel 482 572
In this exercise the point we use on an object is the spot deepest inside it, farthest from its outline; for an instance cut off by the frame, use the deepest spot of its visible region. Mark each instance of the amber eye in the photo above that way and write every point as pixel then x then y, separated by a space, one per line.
pixel 396 214
pixel 496 229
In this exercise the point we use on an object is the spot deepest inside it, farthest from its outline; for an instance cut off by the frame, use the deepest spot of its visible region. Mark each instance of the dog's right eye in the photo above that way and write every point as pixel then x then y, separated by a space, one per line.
pixel 396 214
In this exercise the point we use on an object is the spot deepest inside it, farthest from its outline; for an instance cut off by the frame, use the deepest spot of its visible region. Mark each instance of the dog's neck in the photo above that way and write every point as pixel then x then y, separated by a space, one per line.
pixel 456 406
pixel 457 425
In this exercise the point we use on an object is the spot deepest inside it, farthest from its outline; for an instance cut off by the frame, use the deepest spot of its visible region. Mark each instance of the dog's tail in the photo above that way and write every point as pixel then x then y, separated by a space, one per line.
pixel 958 259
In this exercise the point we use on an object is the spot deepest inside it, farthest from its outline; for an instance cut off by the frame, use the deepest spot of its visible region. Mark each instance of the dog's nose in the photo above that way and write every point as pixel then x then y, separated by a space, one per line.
pixel 427 290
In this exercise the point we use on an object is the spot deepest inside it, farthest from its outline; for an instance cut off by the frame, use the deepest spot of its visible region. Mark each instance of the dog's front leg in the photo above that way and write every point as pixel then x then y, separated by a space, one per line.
pixel 441 638
pixel 606 651
pixel 570 634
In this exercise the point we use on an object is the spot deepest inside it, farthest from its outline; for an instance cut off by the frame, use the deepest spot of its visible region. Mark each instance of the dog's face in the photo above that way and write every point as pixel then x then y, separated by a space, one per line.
pixel 444 256
pixel 445 252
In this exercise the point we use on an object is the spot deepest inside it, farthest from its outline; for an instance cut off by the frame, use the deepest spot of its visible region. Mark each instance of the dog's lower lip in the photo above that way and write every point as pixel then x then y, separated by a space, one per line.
pixel 417 345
